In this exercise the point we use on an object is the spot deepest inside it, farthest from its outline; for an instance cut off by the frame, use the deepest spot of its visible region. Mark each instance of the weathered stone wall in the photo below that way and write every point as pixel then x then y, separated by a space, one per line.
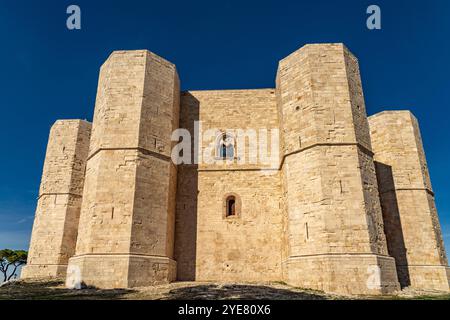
pixel 126 230
pixel 243 248
pixel 333 215
pixel 208 245
pixel 56 222
pixel 411 221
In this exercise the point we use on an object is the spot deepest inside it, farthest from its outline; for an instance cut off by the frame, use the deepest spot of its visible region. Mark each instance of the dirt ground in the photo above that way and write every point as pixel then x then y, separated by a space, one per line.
pixel 54 289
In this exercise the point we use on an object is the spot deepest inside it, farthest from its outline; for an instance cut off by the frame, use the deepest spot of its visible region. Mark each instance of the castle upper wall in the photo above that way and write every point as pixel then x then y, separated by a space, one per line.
pixel 127 80
pixel 65 158
pixel 312 101
pixel 243 113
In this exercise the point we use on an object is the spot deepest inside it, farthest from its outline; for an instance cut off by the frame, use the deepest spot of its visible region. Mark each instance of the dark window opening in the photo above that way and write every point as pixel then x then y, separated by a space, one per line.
pixel 231 206
pixel 225 147
pixel 223 153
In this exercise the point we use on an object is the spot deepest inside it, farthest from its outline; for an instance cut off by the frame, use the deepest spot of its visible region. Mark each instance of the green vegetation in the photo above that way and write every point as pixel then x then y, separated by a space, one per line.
pixel 10 260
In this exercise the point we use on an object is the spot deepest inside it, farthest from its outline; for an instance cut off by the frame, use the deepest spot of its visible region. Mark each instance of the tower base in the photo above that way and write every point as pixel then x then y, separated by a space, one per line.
pixel 343 273
pixel 425 277
pixel 119 271
pixel 36 271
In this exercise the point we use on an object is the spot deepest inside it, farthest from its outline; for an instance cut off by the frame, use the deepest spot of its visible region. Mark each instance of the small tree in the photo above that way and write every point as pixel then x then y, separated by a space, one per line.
pixel 11 259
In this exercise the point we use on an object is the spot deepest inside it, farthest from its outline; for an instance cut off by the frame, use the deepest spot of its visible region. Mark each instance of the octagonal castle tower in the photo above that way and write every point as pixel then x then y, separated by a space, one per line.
pixel 60 195
pixel 412 224
pixel 334 220
pixel 316 221
pixel 126 225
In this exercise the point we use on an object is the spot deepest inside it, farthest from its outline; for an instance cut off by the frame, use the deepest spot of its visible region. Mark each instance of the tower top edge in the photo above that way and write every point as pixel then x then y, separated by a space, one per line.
pixel 388 113
pixel 139 52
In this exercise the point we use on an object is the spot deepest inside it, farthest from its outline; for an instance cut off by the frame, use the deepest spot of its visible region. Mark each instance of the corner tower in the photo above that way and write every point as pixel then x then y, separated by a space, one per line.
pixel 58 209
pixel 334 228
pixel 411 221
pixel 126 229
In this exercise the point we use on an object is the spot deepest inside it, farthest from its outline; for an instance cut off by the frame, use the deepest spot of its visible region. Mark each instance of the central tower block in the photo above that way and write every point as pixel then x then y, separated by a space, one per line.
pixel 333 221
pixel 126 229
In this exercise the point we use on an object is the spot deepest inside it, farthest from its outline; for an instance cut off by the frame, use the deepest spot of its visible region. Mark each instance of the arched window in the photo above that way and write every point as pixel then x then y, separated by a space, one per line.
pixel 225 146
pixel 231 206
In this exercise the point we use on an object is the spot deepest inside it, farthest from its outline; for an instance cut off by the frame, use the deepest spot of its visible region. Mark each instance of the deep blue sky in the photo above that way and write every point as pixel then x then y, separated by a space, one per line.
pixel 48 72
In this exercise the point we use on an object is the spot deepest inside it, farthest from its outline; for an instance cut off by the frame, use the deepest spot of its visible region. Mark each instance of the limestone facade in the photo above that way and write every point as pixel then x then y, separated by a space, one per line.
pixel 411 221
pixel 323 213
pixel 332 211
pixel 55 226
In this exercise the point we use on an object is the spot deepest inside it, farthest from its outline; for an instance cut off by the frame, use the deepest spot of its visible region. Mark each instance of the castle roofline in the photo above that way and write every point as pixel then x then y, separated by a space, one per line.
pixel 226 90
pixel 71 120
pixel 316 44
pixel 392 112
pixel 140 51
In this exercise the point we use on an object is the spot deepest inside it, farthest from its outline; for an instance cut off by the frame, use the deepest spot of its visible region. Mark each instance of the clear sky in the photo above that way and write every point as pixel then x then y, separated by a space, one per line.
pixel 48 72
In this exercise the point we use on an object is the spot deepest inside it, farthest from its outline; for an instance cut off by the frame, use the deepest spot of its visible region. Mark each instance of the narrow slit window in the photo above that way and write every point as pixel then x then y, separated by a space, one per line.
pixel 306 231
pixel 231 206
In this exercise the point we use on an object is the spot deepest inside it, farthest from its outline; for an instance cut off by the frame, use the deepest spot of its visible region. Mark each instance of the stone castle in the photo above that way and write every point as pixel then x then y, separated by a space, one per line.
pixel 348 209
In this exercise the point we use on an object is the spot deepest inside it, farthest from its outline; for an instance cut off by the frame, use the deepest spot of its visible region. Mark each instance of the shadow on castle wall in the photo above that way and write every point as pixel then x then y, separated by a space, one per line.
pixel 187 198
pixel 392 222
